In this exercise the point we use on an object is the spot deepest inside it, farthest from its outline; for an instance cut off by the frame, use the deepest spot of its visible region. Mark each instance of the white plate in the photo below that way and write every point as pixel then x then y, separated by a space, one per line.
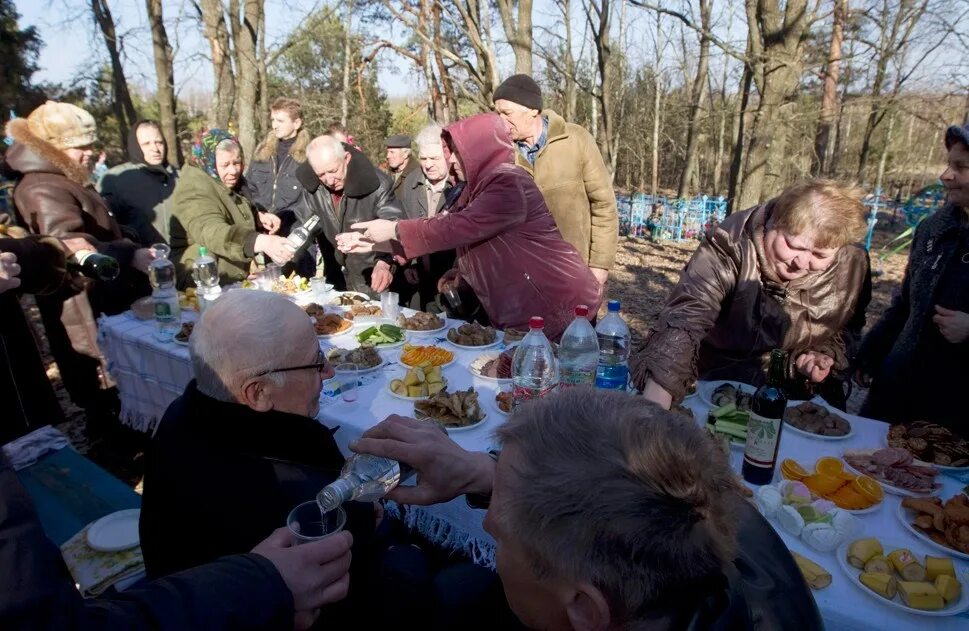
pixel 115 532
pixel 705 389
pixel 475 348
pixel 332 335
pixel 179 342
pixel 940 467
pixel 450 430
pixel 852 573
pixel 894 490
pixel 806 434
pixel 478 363
pixel 907 516
pixel 335 300
pixel 453 357
pixel 402 397
pixel 360 371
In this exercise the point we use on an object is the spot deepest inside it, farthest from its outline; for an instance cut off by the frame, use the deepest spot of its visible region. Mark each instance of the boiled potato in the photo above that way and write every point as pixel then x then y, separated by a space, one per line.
pixel 397 385
pixel 433 387
pixel 434 376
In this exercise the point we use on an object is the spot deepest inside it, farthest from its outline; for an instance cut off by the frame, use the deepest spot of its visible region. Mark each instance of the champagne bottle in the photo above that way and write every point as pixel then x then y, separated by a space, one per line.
pixel 766 423
pixel 94 265
pixel 364 478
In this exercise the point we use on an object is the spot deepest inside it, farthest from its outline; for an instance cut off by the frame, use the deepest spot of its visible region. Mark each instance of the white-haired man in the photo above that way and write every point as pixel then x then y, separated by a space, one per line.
pixel 343 187
pixel 568 168
pixel 240 448
pixel 424 194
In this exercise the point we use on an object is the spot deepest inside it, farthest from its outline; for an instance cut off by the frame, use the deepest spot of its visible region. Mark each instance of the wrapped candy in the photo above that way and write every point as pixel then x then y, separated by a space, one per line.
pixel 790 520
pixel 797 493
pixel 844 523
pixel 821 536
pixel 823 506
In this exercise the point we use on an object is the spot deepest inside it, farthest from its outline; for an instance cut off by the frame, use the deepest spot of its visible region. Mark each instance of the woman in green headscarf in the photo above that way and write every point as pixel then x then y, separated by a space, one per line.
pixel 209 211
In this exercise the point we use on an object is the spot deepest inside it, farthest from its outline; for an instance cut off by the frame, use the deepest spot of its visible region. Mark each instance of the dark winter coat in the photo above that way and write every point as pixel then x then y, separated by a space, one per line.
pixel 274 184
pixel 366 195
pixel 37 591
pixel 728 311
pixel 917 374
pixel 509 250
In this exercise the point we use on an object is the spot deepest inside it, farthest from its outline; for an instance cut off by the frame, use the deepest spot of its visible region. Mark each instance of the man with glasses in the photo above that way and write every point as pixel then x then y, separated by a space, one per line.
pixel 241 447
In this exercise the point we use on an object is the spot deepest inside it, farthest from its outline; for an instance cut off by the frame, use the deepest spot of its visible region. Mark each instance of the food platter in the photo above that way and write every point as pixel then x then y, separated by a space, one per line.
pixel 888 486
pixel 705 389
pixel 478 364
pixel 797 430
pixel 336 302
pixel 907 516
pixel 853 576
pixel 475 348
pixel 427 331
pixel 400 358
pixel 449 429
pixel 820 413
pixel 406 398
pixel 940 467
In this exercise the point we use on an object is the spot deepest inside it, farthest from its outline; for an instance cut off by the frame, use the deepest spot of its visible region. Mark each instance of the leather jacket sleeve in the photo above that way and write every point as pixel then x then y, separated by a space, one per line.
pixel 843 347
pixel 42 263
pixel 670 354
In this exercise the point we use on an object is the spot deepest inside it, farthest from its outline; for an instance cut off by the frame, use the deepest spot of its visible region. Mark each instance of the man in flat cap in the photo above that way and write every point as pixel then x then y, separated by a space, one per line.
pixel 568 168
pixel 399 160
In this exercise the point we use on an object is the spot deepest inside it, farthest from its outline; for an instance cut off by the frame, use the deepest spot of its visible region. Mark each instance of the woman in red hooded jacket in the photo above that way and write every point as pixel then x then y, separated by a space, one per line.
pixel 509 250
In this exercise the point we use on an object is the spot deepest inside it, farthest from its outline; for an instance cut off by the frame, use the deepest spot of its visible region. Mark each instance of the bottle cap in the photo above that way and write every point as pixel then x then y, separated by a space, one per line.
pixel 613 306
pixel 203 251
pixel 536 322
pixel 581 311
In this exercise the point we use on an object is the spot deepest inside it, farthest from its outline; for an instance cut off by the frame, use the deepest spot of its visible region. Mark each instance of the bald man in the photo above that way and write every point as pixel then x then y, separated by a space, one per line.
pixel 240 448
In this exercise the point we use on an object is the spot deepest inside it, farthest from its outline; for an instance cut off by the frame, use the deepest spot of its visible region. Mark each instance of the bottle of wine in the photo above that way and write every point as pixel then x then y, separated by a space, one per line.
pixel 766 423
pixel 94 265
pixel 364 478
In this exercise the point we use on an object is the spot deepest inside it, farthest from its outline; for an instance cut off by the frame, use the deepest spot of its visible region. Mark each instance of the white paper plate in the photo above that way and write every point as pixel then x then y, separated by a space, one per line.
pixel 360 371
pixel 705 389
pixel 475 348
pixel 335 300
pixel 451 430
pixel 890 488
pixel 115 532
pixel 427 332
pixel 853 573
pixel 402 397
pixel 806 434
pixel 477 364
pixel 907 516
pixel 327 336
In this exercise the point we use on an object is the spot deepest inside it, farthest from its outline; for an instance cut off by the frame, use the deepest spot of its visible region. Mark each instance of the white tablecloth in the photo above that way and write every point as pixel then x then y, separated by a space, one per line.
pixel 151 374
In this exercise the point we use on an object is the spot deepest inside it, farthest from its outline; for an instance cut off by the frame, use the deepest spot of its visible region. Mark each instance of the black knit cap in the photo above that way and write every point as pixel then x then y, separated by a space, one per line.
pixel 956 134
pixel 400 141
pixel 521 89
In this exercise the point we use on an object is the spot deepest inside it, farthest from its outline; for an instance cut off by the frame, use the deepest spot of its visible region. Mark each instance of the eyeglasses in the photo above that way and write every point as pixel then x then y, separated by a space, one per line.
pixel 320 366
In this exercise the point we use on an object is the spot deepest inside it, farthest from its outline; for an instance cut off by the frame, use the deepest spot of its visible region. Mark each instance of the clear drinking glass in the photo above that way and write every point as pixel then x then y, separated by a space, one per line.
pixel 308 523
pixel 273 272
pixel 320 288
pixel 389 305
pixel 348 379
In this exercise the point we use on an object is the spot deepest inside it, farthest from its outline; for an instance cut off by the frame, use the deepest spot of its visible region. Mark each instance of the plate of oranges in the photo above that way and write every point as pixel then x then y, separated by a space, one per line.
pixel 859 494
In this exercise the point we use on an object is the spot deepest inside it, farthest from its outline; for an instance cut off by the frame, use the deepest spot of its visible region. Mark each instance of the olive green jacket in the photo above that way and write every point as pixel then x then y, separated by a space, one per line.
pixel 206 213
pixel 577 187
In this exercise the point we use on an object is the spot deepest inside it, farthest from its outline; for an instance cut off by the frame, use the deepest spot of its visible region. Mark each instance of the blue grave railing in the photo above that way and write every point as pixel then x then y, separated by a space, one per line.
pixel 669 219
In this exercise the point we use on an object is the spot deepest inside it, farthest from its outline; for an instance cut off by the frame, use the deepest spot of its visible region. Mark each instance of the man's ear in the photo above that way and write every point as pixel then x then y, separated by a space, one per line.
pixel 587 609
pixel 257 394
pixel 299 123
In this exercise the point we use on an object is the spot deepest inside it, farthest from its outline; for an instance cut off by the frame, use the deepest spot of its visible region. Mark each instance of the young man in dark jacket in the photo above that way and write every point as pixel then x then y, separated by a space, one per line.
pixel 272 172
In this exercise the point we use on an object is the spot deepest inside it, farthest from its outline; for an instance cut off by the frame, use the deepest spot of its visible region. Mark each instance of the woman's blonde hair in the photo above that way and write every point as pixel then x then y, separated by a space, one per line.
pixel 834 211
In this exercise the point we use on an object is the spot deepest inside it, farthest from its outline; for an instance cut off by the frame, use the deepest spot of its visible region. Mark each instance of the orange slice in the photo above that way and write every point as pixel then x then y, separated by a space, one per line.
pixel 829 466
pixel 822 484
pixel 869 488
pixel 791 470
pixel 847 497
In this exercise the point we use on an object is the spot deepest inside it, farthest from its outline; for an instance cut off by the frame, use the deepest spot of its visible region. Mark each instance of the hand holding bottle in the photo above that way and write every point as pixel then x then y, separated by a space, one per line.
pixel 275 247
pixel 9 271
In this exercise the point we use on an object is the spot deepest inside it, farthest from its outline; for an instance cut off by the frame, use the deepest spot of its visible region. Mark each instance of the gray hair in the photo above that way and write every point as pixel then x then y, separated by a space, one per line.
pixel 430 136
pixel 612 490
pixel 327 147
pixel 241 335
pixel 228 144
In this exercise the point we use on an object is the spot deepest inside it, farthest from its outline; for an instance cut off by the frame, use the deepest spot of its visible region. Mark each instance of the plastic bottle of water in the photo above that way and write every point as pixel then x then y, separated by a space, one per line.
pixel 612 372
pixel 578 351
pixel 205 272
pixel 534 371
pixel 161 275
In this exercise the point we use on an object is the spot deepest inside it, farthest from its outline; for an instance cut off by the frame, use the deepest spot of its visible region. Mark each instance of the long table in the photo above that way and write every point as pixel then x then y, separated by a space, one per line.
pixel 134 356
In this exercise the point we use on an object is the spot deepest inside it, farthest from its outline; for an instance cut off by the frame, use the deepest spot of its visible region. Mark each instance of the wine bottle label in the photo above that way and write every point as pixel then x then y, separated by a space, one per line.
pixel 82 255
pixel 762 436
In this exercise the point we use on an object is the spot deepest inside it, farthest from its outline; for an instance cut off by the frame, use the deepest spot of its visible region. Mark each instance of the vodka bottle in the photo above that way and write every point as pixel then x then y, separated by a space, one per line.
pixel 364 478
pixel 161 275
pixel 205 272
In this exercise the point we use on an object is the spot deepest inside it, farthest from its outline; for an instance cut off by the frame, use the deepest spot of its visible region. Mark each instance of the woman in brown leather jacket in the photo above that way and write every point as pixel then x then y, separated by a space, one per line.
pixel 52 153
pixel 786 274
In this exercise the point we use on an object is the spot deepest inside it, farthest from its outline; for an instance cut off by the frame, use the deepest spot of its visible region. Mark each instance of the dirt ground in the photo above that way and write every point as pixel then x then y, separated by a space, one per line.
pixel 645 273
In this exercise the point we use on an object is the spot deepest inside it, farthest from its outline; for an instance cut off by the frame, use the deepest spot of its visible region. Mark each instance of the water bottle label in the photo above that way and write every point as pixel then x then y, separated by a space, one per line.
pixel 163 310
pixel 569 378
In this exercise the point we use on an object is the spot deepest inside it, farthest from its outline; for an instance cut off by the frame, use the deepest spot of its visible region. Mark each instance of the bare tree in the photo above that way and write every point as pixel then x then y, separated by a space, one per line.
pixel 829 92
pixel 347 48
pixel 124 108
pixel 597 13
pixel 246 26
pixel 699 94
pixel 164 80
pixel 216 33
pixel 516 18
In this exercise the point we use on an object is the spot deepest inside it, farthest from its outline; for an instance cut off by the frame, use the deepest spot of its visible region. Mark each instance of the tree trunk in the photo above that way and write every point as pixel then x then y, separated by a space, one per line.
pixel 124 109
pixel 518 30
pixel 829 92
pixel 164 80
pixel 263 114
pixel 736 180
pixel 657 100
pixel 217 34
pixel 347 51
pixel 245 35
pixel 721 136
pixel 883 160
pixel 699 93
pixel 600 35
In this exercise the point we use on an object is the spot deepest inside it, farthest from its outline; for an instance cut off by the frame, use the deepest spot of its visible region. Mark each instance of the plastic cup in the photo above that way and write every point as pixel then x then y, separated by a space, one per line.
pixel 348 379
pixel 389 305
pixel 320 288
pixel 307 523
